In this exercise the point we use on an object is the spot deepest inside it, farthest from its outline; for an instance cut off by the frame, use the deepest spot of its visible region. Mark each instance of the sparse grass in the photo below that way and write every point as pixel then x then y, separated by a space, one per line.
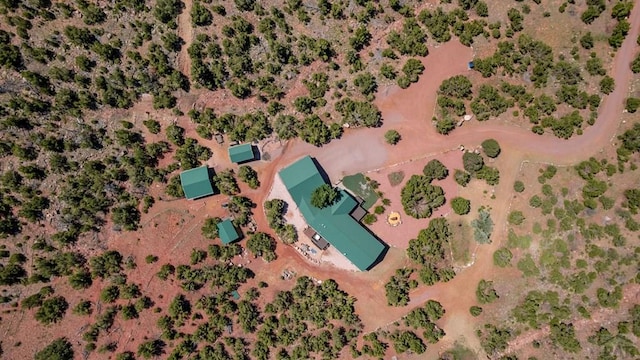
pixel 461 243
pixel 459 352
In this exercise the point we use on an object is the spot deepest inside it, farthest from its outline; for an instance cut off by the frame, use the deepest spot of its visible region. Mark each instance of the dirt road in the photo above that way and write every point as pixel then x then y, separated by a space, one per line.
pixel 185 32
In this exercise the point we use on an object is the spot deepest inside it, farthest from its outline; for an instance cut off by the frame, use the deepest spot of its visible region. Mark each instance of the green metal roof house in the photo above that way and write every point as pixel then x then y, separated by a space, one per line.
pixel 241 153
pixel 333 223
pixel 227 232
pixel 196 183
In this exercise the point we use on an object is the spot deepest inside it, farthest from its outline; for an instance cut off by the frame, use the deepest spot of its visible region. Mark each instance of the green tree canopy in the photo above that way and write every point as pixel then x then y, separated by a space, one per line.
pixel 472 162
pixel 59 349
pixel 461 206
pixel 392 137
pixel 325 195
pixel 491 148
pixel 435 170
pixel 419 198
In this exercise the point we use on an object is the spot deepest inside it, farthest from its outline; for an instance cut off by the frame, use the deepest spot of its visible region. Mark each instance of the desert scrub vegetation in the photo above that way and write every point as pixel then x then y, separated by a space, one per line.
pixel 275 211
pixel 458 96
pixel 74 157
pixel 433 264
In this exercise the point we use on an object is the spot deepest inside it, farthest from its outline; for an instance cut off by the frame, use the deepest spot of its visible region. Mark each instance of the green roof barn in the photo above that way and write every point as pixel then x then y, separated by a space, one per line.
pixel 241 153
pixel 196 183
pixel 227 232
pixel 334 223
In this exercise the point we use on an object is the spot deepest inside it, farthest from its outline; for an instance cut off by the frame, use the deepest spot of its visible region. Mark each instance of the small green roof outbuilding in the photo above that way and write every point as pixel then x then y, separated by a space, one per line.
pixel 334 223
pixel 241 153
pixel 227 232
pixel 196 182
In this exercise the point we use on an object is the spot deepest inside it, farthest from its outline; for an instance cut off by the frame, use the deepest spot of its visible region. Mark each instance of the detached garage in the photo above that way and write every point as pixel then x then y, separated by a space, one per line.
pixel 241 153
pixel 196 183
pixel 227 232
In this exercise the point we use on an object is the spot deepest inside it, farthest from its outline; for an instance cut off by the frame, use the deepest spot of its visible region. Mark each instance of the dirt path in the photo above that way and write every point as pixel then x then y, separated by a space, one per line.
pixel 419 100
pixel 185 32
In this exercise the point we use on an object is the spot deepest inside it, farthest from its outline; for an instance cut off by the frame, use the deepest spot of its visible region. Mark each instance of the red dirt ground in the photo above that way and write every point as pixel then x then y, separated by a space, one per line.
pixel 407 111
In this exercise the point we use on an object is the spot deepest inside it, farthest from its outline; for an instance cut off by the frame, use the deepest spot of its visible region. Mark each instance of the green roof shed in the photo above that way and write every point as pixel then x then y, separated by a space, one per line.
pixel 241 153
pixel 334 223
pixel 227 232
pixel 196 182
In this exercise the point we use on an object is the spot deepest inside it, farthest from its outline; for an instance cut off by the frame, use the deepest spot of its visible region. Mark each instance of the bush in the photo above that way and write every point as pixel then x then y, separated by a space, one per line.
pixel 472 162
pixel 152 125
pixel 248 175
pixel 491 148
pixel 52 310
pixel 485 293
pixel 210 228
pixel 516 217
pixel 59 349
pixel 461 206
pixel 110 294
pixel 435 170
pixel 475 310
pixel 483 227
pixel 461 177
pixel 151 348
pixel 528 266
pixel 398 286
pixel 518 186
pixel 502 257
pixel 632 104
pixel 392 137
pixel 83 308
pixel 324 196
pixel 607 85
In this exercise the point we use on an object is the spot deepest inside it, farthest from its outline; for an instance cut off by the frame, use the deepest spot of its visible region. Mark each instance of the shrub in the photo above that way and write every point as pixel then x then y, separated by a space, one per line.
pixel 518 186
pixel 502 257
pixel 483 227
pixel 516 217
pixel 262 244
pixel 528 266
pixel 461 177
pixel 392 137
pixel 472 162
pixel 52 310
pixel 475 310
pixel 435 170
pixel 248 175
pixel 110 294
pixel 59 349
pixel 210 227
pixel 632 104
pixel 485 293
pixel 461 206
pixel 491 148
pixel 83 308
